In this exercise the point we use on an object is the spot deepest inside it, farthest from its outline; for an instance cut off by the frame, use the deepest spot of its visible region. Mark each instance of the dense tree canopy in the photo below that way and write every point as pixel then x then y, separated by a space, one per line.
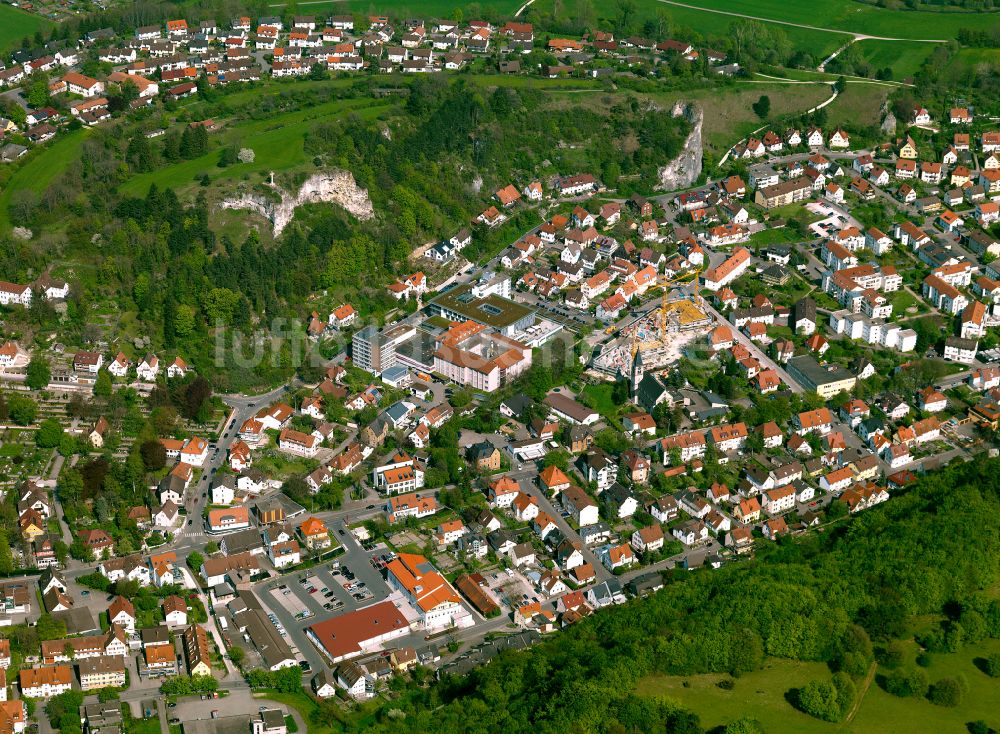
pixel 824 597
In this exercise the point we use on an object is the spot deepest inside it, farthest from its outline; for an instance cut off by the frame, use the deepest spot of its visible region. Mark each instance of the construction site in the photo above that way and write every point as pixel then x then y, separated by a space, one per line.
pixel 661 334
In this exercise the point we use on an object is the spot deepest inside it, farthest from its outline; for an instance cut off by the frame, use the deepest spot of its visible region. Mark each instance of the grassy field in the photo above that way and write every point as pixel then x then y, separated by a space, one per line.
pixel 969 59
pixel 602 400
pixel 399 8
pixel 762 695
pixel 859 104
pixel 819 43
pixel 903 57
pixel 15 24
pixel 728 113
pixel 43 166
pixel 853 17
pixel 277 143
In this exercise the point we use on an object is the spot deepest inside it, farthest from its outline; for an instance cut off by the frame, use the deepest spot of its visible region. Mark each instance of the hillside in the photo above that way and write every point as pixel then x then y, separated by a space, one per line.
pixel 120 212
pixel 923 566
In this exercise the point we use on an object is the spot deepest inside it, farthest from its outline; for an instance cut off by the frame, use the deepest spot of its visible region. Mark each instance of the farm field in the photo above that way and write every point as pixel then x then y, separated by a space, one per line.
pixel 401 8
pixel 852 17
pixel 839 16
pixel 818 43
pixel 16 24
pixel 761 695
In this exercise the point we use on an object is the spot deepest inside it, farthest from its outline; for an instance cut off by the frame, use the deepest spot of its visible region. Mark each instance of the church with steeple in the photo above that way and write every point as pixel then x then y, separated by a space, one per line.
pixel 649 390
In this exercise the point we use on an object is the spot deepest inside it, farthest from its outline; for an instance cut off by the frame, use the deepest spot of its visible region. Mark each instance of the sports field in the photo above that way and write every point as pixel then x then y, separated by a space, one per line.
pixel 15 24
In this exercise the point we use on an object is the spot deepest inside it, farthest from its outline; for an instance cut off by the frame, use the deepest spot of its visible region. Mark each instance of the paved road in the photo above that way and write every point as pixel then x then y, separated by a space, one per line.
pixel 756 351
pixel 526 479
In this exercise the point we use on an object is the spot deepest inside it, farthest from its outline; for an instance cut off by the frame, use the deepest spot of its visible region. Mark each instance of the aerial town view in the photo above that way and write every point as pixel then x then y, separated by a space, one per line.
pixel 525 366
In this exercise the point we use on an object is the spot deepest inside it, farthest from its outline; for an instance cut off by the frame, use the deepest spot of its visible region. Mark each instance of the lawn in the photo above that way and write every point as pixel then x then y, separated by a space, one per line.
pixel 903 300
pixel 761 695
pixel 15 24
pixel 277 143
pixel 601 398
pixel 306 706
pixel 142 726
pixel 780 236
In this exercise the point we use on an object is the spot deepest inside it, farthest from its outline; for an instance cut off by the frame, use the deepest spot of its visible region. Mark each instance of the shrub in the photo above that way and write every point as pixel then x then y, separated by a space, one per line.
pixel 947 692
pixel 819 699
pixel 743 726
pixel 827 700
pixel 992 666
pixel 906 682
pixel 893 655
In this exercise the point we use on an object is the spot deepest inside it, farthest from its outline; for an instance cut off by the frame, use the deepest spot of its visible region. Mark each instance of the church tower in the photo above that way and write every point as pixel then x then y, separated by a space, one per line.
pixel 638 372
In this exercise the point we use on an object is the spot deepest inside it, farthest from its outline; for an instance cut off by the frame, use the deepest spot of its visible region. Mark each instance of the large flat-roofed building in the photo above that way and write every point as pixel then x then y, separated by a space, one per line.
pixel 417 352
pixel 826 379
pixel 470 355
pixel 375 351
pixel 462 304
pixel 362 631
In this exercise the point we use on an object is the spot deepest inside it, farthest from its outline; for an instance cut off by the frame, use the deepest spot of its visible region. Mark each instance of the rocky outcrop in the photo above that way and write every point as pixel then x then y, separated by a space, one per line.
pixel 684 170
pixel 335 187
pixel 888 119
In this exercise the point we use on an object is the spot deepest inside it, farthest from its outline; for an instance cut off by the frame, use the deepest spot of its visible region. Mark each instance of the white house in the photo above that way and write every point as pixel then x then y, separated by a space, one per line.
pixel 148 368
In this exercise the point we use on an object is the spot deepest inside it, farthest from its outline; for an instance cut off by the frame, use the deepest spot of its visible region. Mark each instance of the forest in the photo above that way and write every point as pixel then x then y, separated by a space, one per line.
pixel 843 597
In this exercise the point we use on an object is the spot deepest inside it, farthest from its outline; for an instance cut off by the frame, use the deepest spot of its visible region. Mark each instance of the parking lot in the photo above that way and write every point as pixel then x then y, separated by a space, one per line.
pixel 292 604
pixel 510 588
pixel 344 585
